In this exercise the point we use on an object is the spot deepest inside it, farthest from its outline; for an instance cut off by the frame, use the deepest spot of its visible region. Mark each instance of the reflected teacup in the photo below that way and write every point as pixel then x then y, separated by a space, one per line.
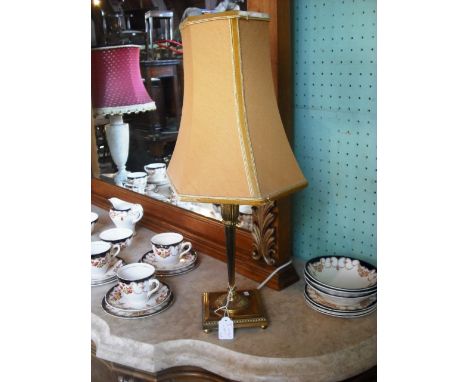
pixel 136 181
pixel 135 283
pixel 156 172
pixel 169 247
pixel 102 253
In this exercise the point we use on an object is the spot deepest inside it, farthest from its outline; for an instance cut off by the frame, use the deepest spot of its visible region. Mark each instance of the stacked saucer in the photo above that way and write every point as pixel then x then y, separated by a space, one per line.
pixel 185 264
pixel 94 219
pixel 111 275
pixel 115 305
pixel 340 287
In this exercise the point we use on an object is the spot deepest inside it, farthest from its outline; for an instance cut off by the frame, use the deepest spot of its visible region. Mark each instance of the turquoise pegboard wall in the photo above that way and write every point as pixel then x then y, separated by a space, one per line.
pixel 335 127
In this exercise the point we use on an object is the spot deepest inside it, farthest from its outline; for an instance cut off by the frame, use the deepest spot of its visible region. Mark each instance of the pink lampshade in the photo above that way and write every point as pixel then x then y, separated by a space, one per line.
pixel 116 84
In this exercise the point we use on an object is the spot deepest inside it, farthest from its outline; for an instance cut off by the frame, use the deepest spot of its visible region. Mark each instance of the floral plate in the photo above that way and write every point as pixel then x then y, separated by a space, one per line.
pixel 340 303
pixel 111 275
pixel 339 313
pixel 187 263
pixel 138 314
pixel 113 298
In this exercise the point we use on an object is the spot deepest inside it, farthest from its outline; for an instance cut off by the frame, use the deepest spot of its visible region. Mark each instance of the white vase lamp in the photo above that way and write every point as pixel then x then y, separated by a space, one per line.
pixel 118 140
pixel 117 89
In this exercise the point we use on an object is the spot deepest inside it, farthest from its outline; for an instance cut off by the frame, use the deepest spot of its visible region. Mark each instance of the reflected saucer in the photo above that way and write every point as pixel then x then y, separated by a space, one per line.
pixel 151 187
pixel 114 299
pixel 187 263
pixel 160 182
pixel 111 274
pixel 158 196
pixel 141 189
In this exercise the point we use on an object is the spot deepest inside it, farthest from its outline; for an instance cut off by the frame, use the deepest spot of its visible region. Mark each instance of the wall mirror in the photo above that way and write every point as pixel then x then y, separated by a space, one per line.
pixel 263 237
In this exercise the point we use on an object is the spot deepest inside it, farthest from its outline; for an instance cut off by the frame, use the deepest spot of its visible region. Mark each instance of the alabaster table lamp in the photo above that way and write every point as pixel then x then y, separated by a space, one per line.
pixel 116 89
pixel 232 148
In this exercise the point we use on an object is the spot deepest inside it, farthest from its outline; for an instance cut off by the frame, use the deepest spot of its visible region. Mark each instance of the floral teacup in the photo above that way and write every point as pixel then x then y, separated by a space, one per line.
pixel 136 181
pixel 120 236
pixel 156 172
pixel 101 255
pixel 169 247
pixel 135 282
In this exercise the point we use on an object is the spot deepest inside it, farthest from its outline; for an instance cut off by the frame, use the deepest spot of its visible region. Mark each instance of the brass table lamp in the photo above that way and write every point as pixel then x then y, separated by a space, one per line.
pixel 232 148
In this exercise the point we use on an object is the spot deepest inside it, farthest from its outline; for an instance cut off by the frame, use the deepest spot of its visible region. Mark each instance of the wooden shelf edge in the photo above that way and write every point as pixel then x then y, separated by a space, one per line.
pixel 207 235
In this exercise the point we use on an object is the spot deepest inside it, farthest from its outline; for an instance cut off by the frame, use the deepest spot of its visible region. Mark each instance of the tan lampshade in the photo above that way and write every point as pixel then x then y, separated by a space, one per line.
pixel 232 147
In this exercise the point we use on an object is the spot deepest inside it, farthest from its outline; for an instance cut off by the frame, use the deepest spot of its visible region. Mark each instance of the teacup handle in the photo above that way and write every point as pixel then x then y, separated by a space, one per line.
pixel 154 289
pixel 139 212
pixel 115 248
pixel 185 251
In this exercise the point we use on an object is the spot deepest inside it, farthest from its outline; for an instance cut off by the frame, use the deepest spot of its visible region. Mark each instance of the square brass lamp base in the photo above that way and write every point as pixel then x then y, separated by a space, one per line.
pixel 250 317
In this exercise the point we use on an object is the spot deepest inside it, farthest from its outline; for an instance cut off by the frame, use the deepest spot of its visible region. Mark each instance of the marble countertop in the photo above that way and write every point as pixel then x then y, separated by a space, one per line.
pixel 299 344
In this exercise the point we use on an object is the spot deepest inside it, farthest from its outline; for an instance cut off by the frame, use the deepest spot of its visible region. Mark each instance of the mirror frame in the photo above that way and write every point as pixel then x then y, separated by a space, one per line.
pixel 268 246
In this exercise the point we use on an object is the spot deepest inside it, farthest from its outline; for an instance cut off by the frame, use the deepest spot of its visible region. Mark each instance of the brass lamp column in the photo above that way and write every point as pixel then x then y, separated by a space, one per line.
pixel 243 307
pixel 233 301
pixel 232 148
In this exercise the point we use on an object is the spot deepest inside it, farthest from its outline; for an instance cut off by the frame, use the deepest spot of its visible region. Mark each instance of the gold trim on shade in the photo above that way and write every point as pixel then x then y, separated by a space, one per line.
pixel 224 16
pixel 246 147
pixel 243 201
pixel 232 147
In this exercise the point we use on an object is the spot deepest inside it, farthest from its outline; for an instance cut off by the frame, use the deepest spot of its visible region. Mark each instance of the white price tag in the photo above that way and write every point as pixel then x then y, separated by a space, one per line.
pixel 225 329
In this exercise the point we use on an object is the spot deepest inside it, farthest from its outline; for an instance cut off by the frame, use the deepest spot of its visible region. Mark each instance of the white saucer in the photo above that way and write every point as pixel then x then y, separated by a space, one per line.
pixel 188 261
pixel 137 314
pixel 113 298
pixel 110 275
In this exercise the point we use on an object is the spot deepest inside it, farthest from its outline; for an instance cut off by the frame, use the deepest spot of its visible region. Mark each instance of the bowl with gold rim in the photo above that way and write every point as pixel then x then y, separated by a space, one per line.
pixel 341 276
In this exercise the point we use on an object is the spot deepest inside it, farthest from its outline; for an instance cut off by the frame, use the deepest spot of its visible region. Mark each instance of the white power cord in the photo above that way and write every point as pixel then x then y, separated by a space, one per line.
pixel 273 273
pixel 224 308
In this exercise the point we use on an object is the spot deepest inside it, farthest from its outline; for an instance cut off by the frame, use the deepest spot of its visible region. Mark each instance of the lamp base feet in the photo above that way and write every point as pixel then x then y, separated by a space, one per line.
pixel 250 316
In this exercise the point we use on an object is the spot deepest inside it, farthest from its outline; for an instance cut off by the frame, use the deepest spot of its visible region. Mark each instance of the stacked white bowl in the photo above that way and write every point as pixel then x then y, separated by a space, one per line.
pixel 340 286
